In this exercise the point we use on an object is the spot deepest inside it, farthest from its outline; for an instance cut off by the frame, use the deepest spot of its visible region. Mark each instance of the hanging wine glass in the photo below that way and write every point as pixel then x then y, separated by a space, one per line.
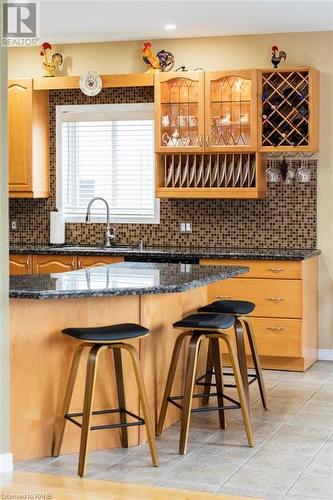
pixel 273 173
pixel 303 174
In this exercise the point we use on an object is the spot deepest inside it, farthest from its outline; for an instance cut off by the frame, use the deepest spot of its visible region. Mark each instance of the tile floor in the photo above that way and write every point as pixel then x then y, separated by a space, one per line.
pixel 292 457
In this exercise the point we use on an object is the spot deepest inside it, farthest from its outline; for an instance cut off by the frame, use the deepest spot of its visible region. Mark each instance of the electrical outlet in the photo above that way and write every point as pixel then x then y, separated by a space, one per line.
pixel 13 225
pixel 185 227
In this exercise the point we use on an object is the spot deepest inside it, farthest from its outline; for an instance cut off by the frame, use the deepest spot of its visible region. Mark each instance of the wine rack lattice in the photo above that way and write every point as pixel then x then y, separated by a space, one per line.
pixel 285 108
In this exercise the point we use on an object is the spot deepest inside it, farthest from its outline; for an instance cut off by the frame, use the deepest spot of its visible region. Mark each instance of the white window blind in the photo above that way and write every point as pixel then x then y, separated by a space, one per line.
pixel 107 151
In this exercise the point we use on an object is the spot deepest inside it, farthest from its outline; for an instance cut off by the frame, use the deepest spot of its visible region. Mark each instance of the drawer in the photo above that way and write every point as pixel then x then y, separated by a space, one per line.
pixel 276 337
pixel 272 269
pixel 44 264
pixel 20 264
pixel 84 261
pixel 273 298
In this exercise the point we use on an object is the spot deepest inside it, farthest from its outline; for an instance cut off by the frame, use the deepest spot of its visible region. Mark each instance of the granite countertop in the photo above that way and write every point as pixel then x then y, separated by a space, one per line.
pixel 134 252
pixel 126 278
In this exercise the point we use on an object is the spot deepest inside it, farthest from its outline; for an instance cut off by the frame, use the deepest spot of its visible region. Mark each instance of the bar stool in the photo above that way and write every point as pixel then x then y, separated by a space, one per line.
pixel 200 327
pixel 99 339
pixel 239 309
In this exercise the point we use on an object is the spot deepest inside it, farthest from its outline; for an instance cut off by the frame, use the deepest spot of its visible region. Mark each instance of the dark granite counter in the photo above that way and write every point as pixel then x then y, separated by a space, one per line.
pixel 128 278
pixel 172 253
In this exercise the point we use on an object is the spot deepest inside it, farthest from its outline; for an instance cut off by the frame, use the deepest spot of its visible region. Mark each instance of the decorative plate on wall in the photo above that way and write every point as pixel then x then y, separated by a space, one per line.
pixel 91 83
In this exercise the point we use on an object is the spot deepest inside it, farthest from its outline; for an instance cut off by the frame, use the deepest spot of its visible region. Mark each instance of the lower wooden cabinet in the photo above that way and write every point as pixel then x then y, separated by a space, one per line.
pixel 92 261
pixel 53 263
pixel 20 264
pixel 39 264
pixel 285 319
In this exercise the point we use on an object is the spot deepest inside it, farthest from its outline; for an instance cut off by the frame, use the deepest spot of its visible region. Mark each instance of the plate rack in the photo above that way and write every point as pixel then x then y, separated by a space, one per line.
pixel 211 175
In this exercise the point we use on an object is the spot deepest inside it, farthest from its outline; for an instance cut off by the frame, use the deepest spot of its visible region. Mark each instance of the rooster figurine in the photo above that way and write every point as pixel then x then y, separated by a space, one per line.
pixel 160 62
pixel 277 56
pixel 50 67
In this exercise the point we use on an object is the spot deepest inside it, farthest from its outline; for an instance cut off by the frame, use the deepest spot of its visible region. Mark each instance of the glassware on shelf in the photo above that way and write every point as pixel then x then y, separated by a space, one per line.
pixel 273 172
pixel 303 174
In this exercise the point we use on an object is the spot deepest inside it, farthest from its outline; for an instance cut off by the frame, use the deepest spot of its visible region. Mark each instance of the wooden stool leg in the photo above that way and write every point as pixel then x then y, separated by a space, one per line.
pixel 144 402
pixel 60 427
pixel 87 406
pixel 239 333
pixel 121 395
pixel 240 388
pixel 216 355
pixel 208 376
pixel 256 361
pixel 191 366
pixel 169 382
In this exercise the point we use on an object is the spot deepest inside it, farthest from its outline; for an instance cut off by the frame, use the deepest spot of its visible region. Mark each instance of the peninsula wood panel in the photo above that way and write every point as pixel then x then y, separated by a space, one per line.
pixel 39 367
pixel 20 264
pixel 53 263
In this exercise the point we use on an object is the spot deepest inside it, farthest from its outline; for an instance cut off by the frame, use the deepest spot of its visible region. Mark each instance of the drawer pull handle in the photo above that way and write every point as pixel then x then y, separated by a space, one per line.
pixel 275 269
pixel 275 299
pixel 222 297
pixel 275 328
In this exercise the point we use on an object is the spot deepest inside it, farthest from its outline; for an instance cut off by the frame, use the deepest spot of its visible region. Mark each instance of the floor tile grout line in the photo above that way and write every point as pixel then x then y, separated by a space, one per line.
pixel 308 463
pixel 268 439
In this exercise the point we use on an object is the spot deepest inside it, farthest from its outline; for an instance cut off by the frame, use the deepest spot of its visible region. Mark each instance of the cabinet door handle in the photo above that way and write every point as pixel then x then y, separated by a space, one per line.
pixel 200 141
pixel 222 297
pixel 275 328
pixel 27 264
pixel 275 269
pixel 275 299
pixel 207 141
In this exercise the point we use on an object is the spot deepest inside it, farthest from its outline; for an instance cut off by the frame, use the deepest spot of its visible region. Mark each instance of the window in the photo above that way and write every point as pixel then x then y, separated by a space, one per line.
pixel 106 150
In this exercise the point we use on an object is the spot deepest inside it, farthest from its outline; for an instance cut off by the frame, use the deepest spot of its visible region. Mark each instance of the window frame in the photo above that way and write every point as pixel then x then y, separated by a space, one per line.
pixel 99 218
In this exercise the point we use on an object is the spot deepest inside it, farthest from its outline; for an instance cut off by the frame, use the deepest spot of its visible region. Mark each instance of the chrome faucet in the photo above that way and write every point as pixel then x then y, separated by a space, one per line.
pixel 109 232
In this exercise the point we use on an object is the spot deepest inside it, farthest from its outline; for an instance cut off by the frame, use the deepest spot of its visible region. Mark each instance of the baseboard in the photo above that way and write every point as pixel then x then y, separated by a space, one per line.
pixel 325 354
pixel 6 462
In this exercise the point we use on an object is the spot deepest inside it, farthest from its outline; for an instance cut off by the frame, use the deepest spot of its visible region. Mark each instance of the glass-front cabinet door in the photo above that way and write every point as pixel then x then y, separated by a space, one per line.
pixel 230 110
pixel 179 99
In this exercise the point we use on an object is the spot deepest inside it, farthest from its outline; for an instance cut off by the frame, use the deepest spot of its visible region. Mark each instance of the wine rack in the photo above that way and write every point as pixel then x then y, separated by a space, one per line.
pixel 211 176
pixel 289 108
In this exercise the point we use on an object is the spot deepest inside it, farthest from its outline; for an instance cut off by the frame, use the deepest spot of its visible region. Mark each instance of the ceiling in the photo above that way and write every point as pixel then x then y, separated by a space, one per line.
pixel 77 21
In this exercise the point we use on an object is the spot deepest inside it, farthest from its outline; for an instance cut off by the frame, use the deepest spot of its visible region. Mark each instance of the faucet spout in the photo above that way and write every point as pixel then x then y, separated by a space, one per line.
pixel 109 232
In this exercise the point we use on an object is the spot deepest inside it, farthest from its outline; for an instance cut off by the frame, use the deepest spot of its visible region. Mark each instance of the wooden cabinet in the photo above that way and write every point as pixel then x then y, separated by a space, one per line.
pixel 285 319
pixel 28 140
pixel 179 108
pixel 20 264
pixel 84 261
pixel 231 110
pixel 288 109
pixel 53 263
pixel 206 111
pixel 39 264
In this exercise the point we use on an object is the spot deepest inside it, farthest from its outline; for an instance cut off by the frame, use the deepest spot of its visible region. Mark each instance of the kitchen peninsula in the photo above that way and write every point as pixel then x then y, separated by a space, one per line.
pixel 152 294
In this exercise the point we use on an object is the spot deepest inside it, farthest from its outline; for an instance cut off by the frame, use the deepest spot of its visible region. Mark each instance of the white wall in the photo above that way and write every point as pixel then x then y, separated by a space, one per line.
pixel 303 49
pixel 4 356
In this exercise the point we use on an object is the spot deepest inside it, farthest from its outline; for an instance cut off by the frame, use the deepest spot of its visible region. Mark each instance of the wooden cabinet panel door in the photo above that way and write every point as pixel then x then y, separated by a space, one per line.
pixel 53 263
pixel 92 261
pixel 20 264
pixel 20 135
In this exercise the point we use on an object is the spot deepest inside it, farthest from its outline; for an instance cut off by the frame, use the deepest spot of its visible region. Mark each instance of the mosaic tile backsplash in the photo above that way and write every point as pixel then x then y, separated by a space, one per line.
pixel 287 218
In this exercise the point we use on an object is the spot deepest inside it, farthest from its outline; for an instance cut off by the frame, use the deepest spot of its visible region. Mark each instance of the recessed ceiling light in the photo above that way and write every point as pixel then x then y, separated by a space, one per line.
pixel 169 27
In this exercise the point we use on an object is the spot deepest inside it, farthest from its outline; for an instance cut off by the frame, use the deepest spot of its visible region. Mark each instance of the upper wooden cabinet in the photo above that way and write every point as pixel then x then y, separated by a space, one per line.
pixel 231 110
pixel 179 107
pixel 289 109
pixel 28 140
pixel 214 111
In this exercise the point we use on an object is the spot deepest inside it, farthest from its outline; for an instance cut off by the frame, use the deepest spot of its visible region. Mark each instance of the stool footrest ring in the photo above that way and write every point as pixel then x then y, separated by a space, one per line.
pixel 236 404
pixel 139 420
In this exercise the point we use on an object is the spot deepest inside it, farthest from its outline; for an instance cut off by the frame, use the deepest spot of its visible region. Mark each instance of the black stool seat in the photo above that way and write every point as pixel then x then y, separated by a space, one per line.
pixel 229 307
pixel 122 331
pixel 206 321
